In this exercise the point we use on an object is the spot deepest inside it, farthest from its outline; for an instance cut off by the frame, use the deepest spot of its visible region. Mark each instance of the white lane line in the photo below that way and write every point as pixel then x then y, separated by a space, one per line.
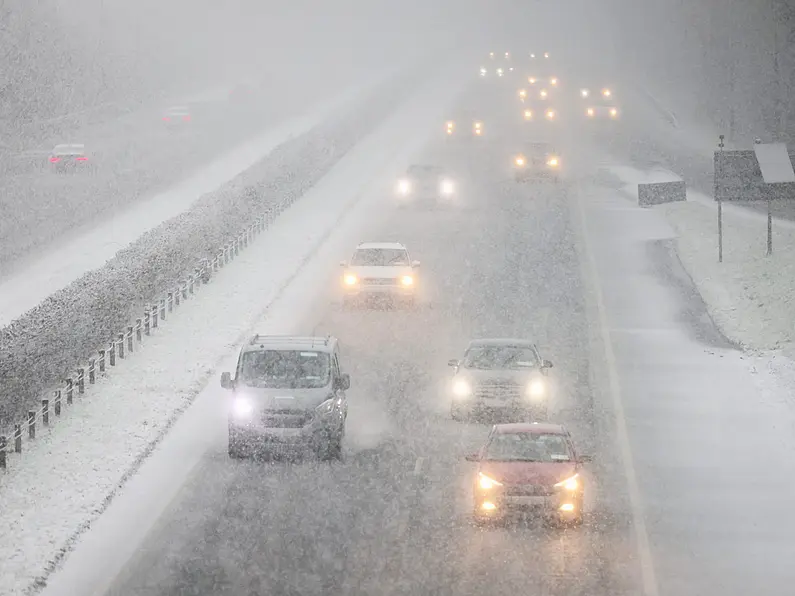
pixel 648 575
pixel 418 466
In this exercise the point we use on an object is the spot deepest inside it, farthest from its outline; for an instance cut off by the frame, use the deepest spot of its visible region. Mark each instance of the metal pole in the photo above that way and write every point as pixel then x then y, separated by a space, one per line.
pixel 720 203
pixel 769 227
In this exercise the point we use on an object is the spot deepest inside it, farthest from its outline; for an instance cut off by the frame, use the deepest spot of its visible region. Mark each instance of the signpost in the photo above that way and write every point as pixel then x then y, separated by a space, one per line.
pixel 762 174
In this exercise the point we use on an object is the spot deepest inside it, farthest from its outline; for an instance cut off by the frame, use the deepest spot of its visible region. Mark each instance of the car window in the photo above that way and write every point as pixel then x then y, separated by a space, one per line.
pixel 285 369
pixel 501 358
pixel 380 257
pixel 527 446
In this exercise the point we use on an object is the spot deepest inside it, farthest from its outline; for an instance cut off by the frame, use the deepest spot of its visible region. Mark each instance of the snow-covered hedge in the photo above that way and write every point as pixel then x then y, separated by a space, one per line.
pixel 41 348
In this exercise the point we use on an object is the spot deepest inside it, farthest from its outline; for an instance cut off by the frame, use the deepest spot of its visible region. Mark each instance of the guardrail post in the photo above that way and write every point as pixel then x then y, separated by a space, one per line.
pixel 45 412
pixel 235 247
pixel 130 339
pixel 171 302
pixel 138 329
pixel 92 367
pixel 184 289
pixel 191 289
pixel 57 401
pixel 121 346
pixel 154 316
pixel 147 327
pixel 3 444
pixel 102 361
pixel 112 354
pixel 162 310
pixel 81 380
pixel 31 424
pixel 17 438
pixel 69 391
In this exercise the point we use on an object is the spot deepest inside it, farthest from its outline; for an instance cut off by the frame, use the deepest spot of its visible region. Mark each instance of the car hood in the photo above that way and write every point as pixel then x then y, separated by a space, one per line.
pixel 514 376
pixel 285 399
pixel 545 473
pixel 381 272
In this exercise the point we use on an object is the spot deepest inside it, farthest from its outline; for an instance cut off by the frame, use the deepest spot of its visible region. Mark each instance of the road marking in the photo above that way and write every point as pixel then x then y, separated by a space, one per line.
pixel 418 466
pixel 648 575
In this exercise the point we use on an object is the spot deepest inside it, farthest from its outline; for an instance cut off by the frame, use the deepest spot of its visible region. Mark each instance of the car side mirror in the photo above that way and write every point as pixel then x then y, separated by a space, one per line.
pixel 343 264
pixel 415 264
pixel 453 363
pixel 344 382
pixel 585 459
pixel 472 457
pixel 546 364
pixel 226 380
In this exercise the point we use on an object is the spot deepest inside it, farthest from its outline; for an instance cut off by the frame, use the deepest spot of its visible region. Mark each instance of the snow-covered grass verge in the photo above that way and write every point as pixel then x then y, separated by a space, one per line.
pixel 749 294
pixel 38 350
pixel 76 468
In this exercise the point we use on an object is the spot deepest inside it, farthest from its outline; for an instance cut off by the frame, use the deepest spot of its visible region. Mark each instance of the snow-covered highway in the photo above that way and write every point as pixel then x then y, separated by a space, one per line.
pixel 676 418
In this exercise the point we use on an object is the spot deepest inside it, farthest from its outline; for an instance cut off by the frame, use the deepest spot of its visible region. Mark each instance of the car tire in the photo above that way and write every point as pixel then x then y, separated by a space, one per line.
pixel 330 449
pixel 234 450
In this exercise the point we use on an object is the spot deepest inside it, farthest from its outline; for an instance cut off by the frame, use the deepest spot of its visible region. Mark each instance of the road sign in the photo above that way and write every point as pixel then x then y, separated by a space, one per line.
pixel 738 175
pixel 658 193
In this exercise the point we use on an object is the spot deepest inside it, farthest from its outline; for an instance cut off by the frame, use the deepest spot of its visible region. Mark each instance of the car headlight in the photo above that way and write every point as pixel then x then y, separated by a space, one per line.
pixel 606 92
pixel 462 388
pixel 551 114
pixel 590 111
pixel 349 279
pixel 553 162
pixel 537 388
pixel 404 187
pixel 487 483
pixel 325 408
pixel 482 72
pixel 613 112
pixel 531 80
pixel 447 187
pixel 553 81
pixel 520 161
pixel 522 93
pixel 242 407
pixel 571 483
pixel 543 94
pixel 584 92
pixel 407 280
pixel 528 114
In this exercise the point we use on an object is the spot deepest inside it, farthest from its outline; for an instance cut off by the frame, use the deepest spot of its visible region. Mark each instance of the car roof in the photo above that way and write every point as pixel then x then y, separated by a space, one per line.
pixel 507 342
pixel 69 147
pixel 179 109
pixel 424 167
pixel 538 145
pixel 290 342
pixel 381 245
pixel 530 427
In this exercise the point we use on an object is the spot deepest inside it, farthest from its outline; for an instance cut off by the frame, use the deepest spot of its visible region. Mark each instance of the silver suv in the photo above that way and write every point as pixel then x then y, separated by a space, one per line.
pixel 501 376
pixel 288 394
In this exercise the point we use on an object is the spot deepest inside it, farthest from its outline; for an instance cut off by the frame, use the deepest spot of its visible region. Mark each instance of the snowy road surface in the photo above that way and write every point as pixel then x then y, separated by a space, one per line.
pixel 691 441
pixel 57 268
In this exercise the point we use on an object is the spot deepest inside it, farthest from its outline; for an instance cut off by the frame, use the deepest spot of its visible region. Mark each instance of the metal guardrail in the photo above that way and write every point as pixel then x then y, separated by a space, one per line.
pixel 129 340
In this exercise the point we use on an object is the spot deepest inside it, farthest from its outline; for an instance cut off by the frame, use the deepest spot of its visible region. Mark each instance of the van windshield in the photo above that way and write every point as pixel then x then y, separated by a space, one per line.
pixel 285 369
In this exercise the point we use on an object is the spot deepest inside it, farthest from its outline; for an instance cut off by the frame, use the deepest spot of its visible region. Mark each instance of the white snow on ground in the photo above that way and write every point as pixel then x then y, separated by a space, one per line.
pixel 62 482
pixel 27 288
pixel 750 295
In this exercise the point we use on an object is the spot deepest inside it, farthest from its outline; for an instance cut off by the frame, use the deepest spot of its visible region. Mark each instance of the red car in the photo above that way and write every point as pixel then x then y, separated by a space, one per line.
pixel 529 468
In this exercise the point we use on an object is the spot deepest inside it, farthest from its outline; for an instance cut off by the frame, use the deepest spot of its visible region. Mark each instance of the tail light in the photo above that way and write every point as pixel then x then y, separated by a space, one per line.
pixel 55 159
pixel 186 118
pixel 82 159
pixel 166 119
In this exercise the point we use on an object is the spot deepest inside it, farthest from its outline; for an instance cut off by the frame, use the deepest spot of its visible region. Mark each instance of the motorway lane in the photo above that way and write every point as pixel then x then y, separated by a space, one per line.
pixel 393 517
pixel 136 156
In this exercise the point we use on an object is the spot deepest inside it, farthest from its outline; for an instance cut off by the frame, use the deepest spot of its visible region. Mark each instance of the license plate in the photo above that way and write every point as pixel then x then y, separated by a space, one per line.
pixel 282 433
pixel 527 501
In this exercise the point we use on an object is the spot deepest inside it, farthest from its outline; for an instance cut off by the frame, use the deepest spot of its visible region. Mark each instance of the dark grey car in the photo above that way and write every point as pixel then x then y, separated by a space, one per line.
pixel 503 377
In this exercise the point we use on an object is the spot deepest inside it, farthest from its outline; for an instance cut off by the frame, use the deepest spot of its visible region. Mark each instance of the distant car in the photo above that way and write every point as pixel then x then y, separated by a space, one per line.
pixel 380 270
pixel 503 377
pixel 243 92
pixel 288 394
pixel 600 104
pixel 477 128
pixel 539 111
pixel 537 160
pixel 425 182
pixel 529 469
pixel 69 157
pixel 177 116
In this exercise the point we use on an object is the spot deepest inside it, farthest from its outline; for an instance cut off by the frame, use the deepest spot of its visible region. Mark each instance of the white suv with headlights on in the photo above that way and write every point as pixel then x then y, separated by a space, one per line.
pixel 506 377
pixel 424 183
pixel 288 394
pixel 380 270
